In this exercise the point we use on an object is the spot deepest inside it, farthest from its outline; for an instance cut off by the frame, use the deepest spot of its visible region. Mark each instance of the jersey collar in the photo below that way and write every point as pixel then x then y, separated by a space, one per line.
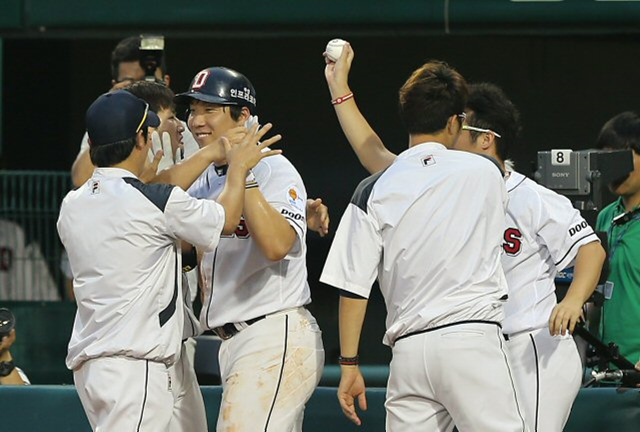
pixel 221 170
pixel 429 145
pixel 113 172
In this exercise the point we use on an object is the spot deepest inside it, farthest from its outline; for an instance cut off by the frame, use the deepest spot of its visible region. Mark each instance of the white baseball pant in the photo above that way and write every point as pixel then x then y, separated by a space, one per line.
pixel 459 375
pixel 548 373
pixel 269 371
pixel 125 394
pixel 189 414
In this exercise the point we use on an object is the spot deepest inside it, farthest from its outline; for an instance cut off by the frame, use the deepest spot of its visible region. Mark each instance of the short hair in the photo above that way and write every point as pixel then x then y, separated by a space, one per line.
pixel 433 93
pixel 492 109
pixel 158 96
pixel 128 50
pixel 107 155
pixel 621 132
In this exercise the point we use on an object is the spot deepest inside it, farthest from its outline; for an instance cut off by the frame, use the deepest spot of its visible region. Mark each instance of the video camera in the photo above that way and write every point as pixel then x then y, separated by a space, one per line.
pixel 151 55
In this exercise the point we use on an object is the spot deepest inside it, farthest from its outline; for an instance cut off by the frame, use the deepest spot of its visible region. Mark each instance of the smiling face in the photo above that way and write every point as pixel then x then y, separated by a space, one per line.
pixel 208 122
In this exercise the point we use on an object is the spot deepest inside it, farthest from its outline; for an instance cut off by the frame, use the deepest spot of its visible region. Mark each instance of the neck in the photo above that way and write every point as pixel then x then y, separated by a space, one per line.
pixel 440 137
pixel 631 201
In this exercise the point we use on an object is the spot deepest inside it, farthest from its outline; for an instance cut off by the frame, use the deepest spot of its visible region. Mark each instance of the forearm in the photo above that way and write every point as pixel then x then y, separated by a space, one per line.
pixel 586 272
pixel 351 318
pixel 186 172
pixel 367 145
pixel 232 199
pixel 269 229
pixel 82 169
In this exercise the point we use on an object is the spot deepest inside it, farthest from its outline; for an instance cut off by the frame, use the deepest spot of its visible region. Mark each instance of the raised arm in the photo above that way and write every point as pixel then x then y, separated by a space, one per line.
pixel 369 148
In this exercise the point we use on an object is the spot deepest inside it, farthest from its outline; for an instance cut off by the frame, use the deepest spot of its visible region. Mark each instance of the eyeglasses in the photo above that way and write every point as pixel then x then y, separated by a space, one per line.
pixel 462 116
pixel 144 117
pixel 481 130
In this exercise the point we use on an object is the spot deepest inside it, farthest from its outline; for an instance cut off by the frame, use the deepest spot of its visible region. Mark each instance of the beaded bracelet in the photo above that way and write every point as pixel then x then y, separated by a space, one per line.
pixel 348 361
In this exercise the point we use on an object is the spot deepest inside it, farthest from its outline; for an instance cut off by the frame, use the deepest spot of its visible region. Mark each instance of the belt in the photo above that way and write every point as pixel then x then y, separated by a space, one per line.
pixel 447 325
pixel 228 330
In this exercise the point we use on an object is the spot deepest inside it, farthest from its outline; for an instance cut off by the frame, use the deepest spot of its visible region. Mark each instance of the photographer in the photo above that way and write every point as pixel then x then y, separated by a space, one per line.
pixel 9 373
pixel 620 220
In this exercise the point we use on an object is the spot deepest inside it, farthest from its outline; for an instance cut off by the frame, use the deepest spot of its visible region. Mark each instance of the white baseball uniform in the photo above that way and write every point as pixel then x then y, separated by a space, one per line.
pixel 543 235
pixel 430 228
pixel 122 237
pixel 270 368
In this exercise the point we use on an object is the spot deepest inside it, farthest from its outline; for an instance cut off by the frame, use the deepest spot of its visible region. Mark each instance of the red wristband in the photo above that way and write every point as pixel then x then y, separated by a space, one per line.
pixel 338 101
pixel 349 361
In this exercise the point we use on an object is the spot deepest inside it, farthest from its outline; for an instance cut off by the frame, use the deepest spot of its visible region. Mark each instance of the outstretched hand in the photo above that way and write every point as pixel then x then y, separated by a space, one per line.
pixel 564 317
pixel 249 151
pixel 352 387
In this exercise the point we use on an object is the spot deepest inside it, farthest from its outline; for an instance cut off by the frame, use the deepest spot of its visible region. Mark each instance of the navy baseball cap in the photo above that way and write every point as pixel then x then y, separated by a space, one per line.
pixel 7 321
pixel 117 116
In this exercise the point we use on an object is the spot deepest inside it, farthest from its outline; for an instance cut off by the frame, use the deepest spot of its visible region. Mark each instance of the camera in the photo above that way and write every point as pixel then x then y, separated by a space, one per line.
pixel 151 55
pixel 7 322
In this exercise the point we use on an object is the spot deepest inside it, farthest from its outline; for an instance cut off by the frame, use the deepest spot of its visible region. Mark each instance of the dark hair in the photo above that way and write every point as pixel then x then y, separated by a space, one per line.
pixel 235 111
pixel 158 96
pixel 621 132
pixel 433 93
pixel 492 109
pixel 128 50
pixel 107 155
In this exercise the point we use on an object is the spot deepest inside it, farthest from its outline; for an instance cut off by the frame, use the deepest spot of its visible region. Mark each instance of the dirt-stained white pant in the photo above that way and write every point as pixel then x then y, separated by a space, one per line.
pixel 269 371
pixel 458 374
pixel 547 372
pixel 189 414
pixel 125 394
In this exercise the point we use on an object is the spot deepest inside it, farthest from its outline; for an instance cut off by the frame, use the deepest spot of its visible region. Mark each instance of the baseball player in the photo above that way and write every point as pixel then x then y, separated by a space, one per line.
pixel 438 266
pixel 544 234
pixel 126 70
pixel 255 283
pixel 122 237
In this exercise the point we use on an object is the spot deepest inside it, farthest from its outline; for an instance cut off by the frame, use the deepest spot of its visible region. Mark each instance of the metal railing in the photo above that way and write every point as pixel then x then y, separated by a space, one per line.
pixel 31 255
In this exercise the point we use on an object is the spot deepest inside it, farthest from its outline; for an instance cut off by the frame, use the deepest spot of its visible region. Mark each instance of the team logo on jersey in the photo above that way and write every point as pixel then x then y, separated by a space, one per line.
pixel 95 188
pixel 242 232
pixel 292 215
pixel 577 228
pixel 294 198
pixel 428 160
pixel 512 241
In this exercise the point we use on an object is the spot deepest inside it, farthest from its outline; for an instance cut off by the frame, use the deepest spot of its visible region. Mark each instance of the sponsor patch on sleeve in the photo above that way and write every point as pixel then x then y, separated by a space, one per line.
pixel 295 198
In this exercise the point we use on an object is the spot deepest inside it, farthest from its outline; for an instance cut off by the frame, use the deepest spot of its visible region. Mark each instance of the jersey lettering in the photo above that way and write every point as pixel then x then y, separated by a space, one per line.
pixel 6 259
pixel 512 241
pixel 292 215
pixel 200 79
pixel 576 229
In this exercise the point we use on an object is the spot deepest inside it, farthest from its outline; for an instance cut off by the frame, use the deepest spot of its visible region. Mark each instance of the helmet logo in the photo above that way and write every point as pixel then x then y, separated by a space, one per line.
pixel 243 93
pixel 200 79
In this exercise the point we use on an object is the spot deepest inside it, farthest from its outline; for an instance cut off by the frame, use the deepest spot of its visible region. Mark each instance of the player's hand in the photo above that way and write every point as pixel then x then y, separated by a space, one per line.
pixel 337 73
pixel 564 317
pixel 318 216
pixel 163 144
pixel 248 152
pixel 352 387
pixel 150 169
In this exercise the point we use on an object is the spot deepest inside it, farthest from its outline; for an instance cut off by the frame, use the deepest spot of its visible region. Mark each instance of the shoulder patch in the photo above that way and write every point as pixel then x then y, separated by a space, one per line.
pixel 363 191
pixel 294 198
pixel 158 194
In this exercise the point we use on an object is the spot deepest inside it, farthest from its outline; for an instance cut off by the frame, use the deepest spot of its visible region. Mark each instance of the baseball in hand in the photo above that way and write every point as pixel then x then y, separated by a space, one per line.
pixel 334 49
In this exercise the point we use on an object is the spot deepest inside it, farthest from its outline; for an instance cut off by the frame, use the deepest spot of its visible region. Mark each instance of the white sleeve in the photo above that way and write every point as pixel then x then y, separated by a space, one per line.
pixel 561 228
pixel 197 221
pixel 283 189
pixel 355 254
pixel 84 144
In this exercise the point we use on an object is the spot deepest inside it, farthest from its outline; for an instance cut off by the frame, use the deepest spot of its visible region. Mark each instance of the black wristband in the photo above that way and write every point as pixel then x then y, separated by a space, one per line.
pixel 349 361
pixel 6 367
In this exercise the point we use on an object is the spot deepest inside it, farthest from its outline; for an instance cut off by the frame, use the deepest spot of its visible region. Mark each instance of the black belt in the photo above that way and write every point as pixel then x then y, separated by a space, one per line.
pixel 229 330
pixel 448 325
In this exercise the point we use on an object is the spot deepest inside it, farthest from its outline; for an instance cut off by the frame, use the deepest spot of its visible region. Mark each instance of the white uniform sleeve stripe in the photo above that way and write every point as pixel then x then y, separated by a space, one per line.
pixel 296 225
pixel 345 285
pixel 575 243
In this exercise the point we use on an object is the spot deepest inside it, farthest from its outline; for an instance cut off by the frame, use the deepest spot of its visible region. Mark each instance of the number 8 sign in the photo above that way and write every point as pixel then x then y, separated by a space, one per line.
pixel 561 157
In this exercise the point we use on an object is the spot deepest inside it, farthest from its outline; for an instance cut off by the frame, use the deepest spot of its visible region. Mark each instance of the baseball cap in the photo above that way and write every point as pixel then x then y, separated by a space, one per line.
pixel 117 116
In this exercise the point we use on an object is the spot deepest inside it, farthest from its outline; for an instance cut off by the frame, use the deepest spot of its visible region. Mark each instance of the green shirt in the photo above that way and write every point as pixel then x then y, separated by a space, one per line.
pixel 620 321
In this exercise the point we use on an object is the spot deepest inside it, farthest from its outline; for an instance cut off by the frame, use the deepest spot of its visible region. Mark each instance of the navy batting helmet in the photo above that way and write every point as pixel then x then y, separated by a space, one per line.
pixel 220 85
